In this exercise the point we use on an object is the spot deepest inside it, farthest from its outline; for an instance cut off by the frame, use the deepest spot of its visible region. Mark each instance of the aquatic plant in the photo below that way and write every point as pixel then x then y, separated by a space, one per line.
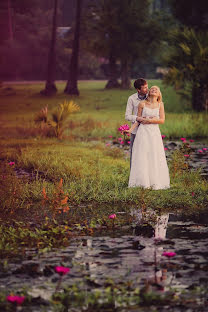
pixel 61 270
pixel 16 299
pixel 168 254
pixel 113 216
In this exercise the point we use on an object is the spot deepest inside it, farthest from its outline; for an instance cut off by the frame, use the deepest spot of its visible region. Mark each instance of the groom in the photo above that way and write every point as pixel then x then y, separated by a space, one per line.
pixel 132 106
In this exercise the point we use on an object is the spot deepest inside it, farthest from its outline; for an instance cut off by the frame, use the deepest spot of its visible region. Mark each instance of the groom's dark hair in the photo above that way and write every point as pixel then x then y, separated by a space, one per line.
pixel 139 83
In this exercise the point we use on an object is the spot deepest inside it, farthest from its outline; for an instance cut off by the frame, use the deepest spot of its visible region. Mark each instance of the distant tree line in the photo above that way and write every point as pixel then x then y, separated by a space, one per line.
pixel 113 39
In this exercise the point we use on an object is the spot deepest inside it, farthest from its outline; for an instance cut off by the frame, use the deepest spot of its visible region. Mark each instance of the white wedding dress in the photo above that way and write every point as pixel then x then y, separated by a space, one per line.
pixel 149 166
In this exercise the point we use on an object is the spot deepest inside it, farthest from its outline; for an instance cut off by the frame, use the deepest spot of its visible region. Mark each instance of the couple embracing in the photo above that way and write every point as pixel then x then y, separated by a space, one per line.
pixel 148 165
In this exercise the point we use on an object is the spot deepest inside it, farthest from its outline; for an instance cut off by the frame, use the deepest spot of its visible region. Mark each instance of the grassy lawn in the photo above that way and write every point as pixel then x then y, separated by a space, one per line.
pixel 101 110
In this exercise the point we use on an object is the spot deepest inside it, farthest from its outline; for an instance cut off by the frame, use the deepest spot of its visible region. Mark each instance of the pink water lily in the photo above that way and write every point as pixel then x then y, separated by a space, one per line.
pixel 204 148
pixel 128 142
pixel 183 139
pixel 110 136
pixel 122 142
pixel 168 254
pixel 120 139
pixel 191 140
pixel 107 144
pixel 186 155
pixel 62 270
pixel 113 216
pixel 11 163
pixel 123 128
pixel 16 299
pixel 165 148
pixel 200 151
pixel 163 136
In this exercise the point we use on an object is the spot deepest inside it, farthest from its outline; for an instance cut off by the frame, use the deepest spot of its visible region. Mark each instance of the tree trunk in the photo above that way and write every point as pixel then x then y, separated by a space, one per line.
pixel 71 86
pixel 50 87
pixel 113 75
pixel 125 79
pixel 200 97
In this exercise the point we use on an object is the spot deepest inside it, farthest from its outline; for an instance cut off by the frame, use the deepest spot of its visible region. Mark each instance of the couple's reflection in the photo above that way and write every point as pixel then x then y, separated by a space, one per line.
pixel 139 255
pixel 153 227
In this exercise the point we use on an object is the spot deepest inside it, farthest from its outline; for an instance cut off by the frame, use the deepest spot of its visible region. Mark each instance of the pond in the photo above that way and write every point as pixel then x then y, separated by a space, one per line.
pixel 157 253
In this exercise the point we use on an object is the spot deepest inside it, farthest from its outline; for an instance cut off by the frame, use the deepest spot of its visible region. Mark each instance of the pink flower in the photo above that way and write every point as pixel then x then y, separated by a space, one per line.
pixel 62 270
pixel 200 151
pixel 191 140
pixel 186 155
pixel 107 144
pixel 193 194
pixel 183 139
pixel 204 148
pixel 163 136
pixel 168 254
pixel 123 128
pixel 165 148
pixel 11 163
pixel 110 136
pixel 113 216
pixel 16 299
pixel 122 142
pixel 128 142
pixel 120 139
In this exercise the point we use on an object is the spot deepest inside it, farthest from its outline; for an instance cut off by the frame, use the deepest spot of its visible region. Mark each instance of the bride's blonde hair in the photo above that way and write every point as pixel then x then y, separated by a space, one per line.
pixel 159 98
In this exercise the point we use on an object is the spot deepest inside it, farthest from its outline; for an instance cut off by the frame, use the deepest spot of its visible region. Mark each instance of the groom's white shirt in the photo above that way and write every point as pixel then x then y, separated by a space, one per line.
pixel 132 109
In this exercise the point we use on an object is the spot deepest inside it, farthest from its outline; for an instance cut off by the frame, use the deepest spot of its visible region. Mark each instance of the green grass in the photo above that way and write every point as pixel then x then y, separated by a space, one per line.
pixel 91 174
pixel 102 111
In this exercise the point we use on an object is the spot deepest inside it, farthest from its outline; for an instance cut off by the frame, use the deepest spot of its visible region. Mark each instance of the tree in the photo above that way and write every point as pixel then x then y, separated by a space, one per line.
pixel 50 87
pixel 101 24
pixel 191 13
pixel 71 86
pixel 118 30
pixel 188 63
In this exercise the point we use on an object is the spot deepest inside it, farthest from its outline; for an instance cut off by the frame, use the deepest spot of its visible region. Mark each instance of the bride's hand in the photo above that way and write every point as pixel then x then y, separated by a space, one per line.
pixel 146 121
pixel 140 119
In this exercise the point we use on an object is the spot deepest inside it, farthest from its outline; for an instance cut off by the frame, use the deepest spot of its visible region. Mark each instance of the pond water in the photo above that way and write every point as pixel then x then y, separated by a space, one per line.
pixel 133 253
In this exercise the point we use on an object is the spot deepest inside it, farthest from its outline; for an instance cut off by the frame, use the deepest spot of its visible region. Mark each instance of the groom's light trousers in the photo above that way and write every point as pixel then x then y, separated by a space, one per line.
pixel 131 145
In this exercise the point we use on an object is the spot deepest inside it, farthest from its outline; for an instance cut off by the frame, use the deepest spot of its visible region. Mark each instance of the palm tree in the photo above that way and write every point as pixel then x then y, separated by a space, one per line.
pixel 71 86
pixel 188 63
pixel 50 87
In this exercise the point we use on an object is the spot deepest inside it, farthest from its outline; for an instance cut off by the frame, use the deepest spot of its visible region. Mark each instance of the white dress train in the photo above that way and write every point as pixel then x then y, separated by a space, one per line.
pixel 149 166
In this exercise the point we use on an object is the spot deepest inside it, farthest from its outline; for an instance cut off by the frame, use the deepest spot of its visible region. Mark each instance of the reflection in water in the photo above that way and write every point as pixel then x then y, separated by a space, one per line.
pixel 126 256
pixel 138 256
pixel 161 226
pixel 154 227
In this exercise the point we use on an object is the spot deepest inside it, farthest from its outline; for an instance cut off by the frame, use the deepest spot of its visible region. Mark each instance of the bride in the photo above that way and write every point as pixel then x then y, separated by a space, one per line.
pixel 149 167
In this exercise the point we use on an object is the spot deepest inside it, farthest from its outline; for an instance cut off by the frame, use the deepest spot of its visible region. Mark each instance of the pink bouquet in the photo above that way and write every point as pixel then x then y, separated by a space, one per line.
pixel 123 128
